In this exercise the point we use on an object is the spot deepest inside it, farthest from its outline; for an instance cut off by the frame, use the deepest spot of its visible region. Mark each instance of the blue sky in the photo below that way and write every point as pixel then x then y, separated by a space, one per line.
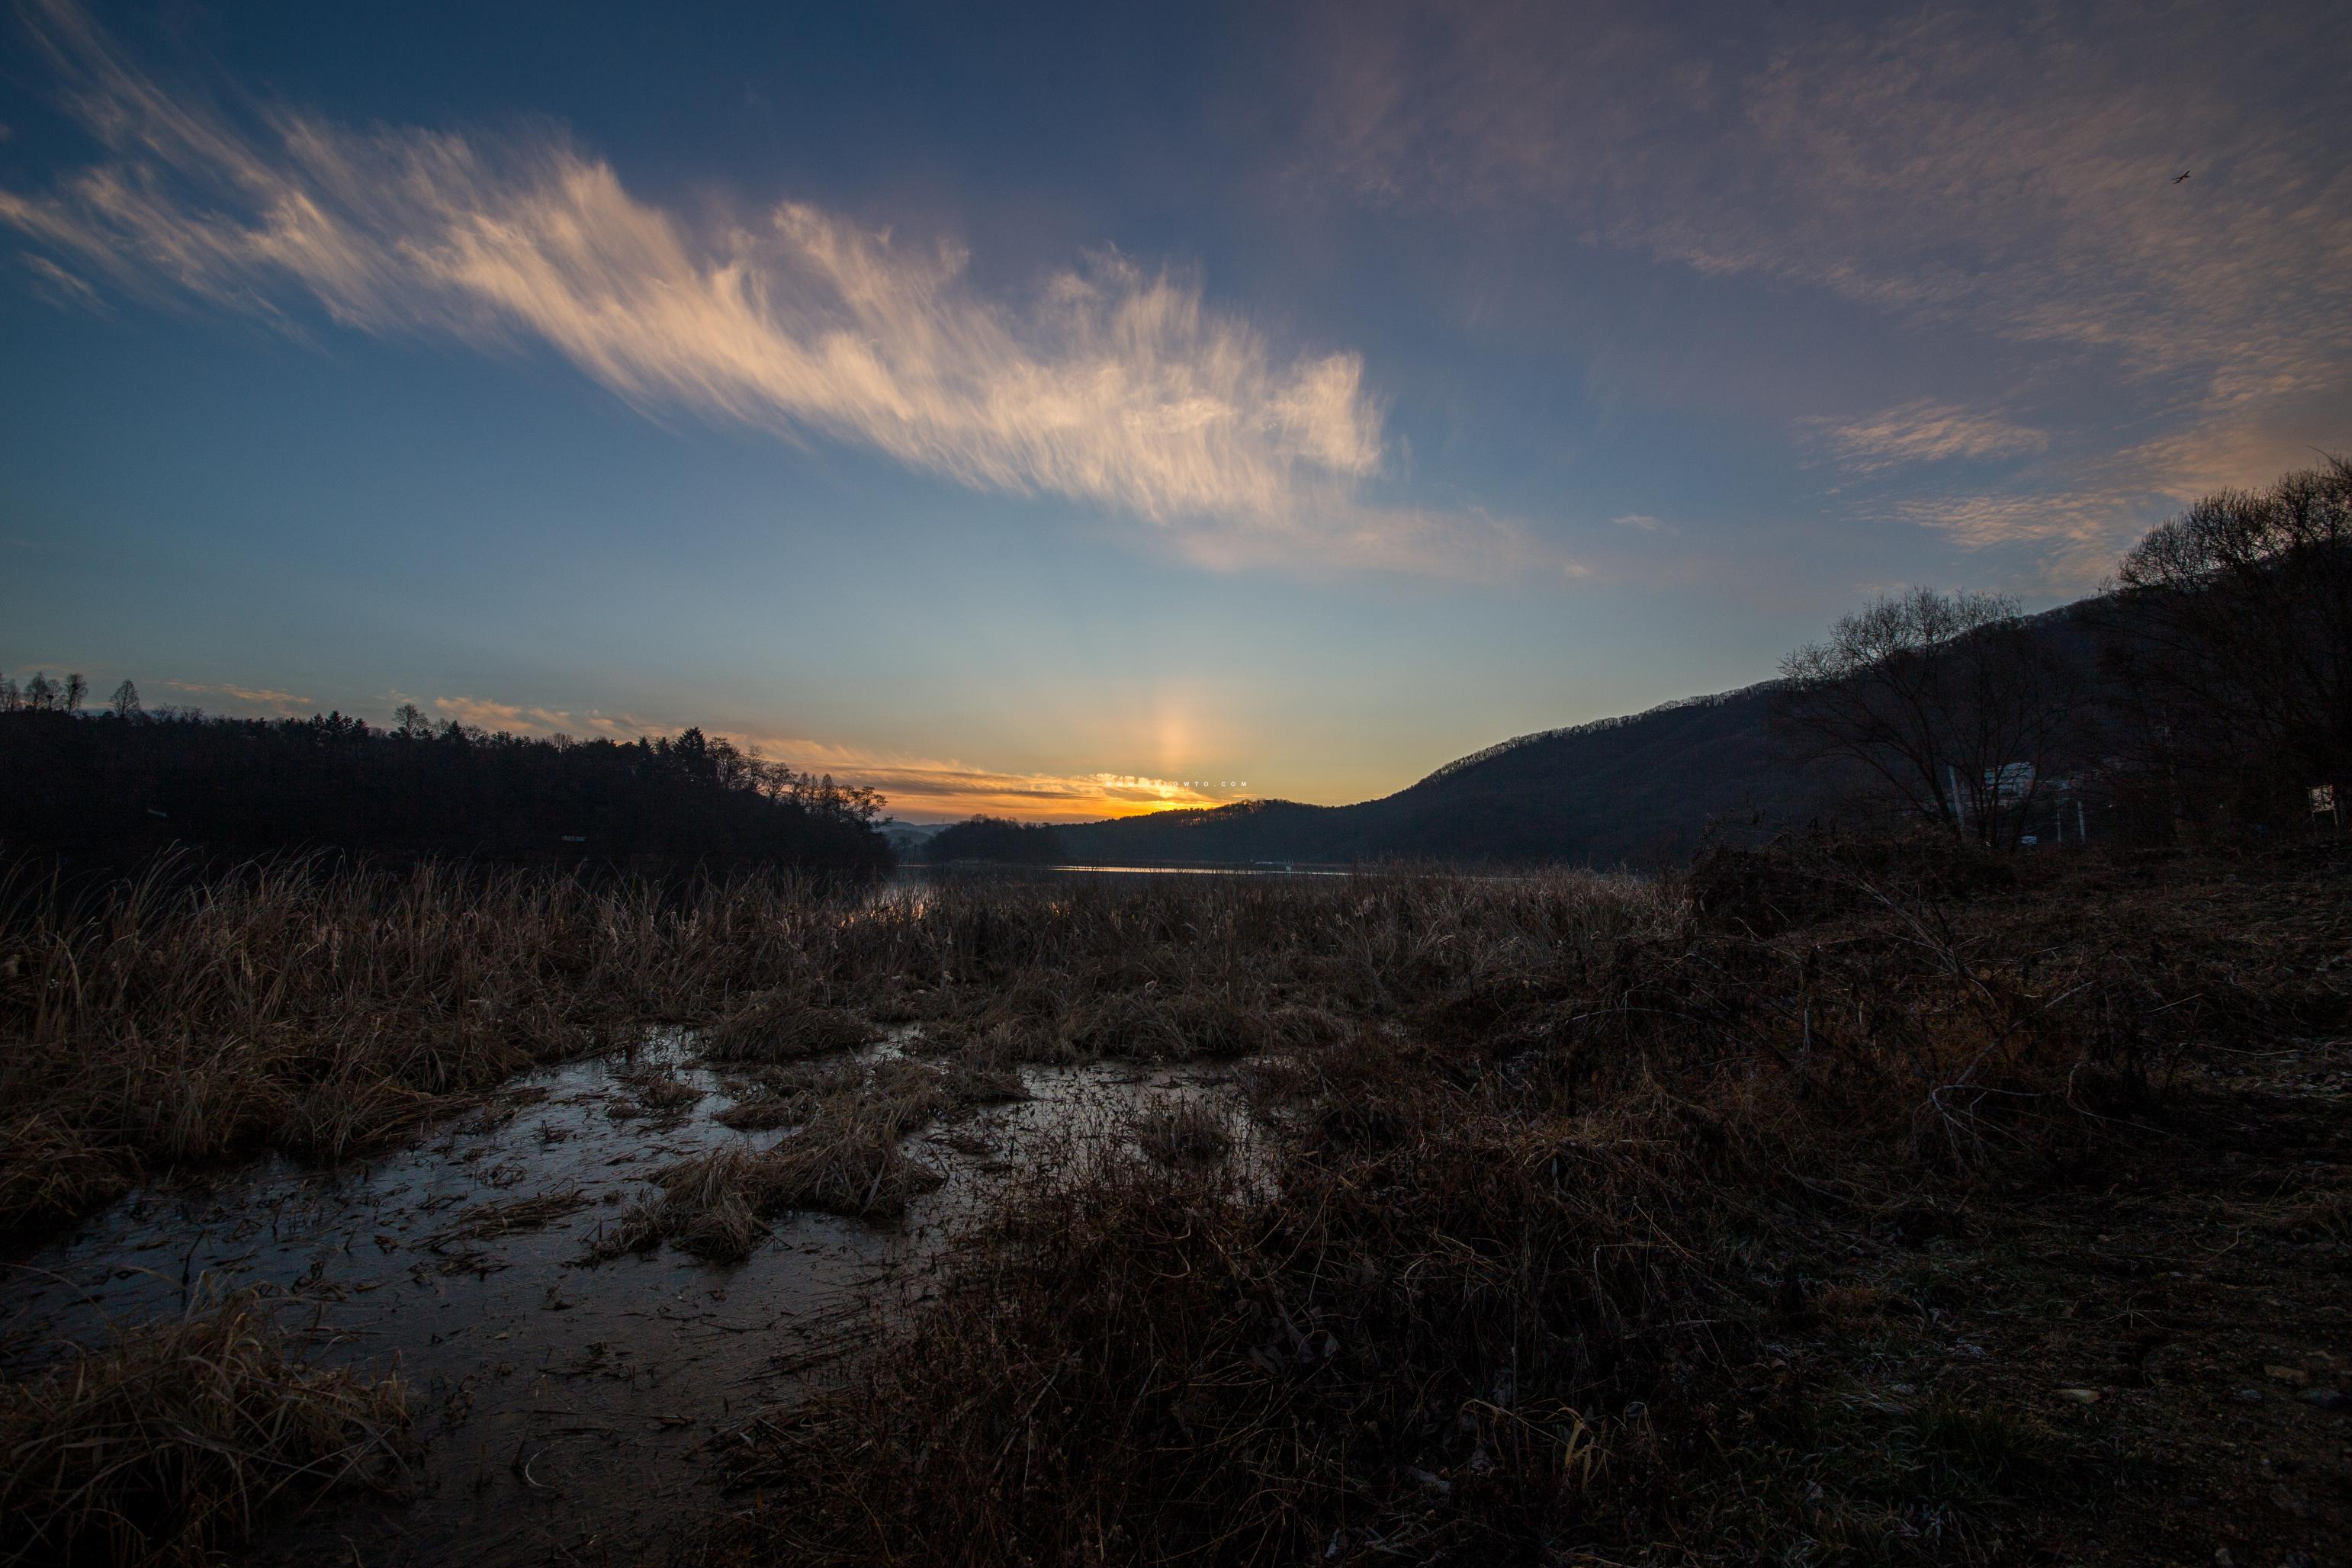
pixel 1050 414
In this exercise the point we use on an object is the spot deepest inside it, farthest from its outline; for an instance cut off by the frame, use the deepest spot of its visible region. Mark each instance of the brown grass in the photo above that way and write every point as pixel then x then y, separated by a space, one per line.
pixel 1550 1189
pixel 846 1160
pixel 1183 1132
pixel 177 1439
pixel 782 1026
pixel 1550 1179
pixel 845 1157
pixel 298 1005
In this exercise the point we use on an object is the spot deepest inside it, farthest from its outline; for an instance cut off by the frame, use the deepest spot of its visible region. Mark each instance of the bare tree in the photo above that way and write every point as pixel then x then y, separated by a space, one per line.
pixel 125 702
pixel 76 689
pixel 10 698
pixel 1951 701
pixel 2232 632
pixel 41 692
pixel 408 721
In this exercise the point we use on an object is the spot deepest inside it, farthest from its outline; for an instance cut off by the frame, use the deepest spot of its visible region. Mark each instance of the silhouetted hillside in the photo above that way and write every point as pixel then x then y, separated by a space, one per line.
pixel 994 839
pixel 1643 787
pixel 1637 787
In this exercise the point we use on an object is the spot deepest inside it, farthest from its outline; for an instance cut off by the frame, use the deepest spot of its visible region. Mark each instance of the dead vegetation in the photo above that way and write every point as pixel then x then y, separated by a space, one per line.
pixel 1584 1228
pixel 782 1026
pixel 845 1160
pixel 166 1023
pixel 177 1439
pixel 1183 1132
pixel 486 1222
pixel 1575 1215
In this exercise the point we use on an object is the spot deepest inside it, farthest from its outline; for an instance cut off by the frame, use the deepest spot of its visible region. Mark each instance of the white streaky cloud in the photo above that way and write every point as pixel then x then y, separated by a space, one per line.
pixel 1640 522
pixel 1114 384
pixel 282 704
pixel 1924 431
pixel 60 284
pixel 2079 525
pixel 482 713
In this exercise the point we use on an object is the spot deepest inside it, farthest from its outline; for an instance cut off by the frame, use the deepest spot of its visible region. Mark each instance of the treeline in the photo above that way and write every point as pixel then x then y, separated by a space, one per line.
pixel 999 840
pixel 2231 643
pixel 2207 694
pixel 118 783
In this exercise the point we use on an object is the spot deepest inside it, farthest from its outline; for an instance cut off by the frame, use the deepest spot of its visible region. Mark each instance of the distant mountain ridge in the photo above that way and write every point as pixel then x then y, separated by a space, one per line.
pixel 1634 787
pixel 1638 788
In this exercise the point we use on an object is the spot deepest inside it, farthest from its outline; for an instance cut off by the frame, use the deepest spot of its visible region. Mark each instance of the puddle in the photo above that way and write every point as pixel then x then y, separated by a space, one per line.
pixel 563 1408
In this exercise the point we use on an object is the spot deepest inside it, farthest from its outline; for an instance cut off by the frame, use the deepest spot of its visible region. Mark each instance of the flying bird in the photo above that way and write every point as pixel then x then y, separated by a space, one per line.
pixel 2180 176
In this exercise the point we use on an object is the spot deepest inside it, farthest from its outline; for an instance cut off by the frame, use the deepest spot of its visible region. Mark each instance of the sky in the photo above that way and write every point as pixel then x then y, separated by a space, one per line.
pixel 1083 410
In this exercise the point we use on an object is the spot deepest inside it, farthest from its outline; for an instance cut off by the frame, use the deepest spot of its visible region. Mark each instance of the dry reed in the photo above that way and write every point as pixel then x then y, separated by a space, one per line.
pixel 177 1439
pixel 1535 1200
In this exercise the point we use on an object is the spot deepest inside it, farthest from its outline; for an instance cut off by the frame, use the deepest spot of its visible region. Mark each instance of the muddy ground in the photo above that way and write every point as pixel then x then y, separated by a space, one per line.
pixel 564 1409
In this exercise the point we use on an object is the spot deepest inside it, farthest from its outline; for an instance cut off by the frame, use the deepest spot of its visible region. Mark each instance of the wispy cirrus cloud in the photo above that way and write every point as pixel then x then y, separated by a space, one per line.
pixel 484 714
pixel 283 704
pixel 1923 430
pixel 1112 384
pixel 2073 524
pixel 1939 163
pixel 53 281
pixel 2003 172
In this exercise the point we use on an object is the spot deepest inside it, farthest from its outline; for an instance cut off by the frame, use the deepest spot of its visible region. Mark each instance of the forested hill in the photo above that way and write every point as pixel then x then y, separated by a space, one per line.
pixel 1637 788
pixel 110 787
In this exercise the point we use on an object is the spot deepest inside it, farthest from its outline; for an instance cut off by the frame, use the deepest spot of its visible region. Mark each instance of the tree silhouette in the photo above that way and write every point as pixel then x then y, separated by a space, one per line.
pixel 115 791
pixel 125 701
pixel 2231 632
pixel 996 838
pixel 1948 700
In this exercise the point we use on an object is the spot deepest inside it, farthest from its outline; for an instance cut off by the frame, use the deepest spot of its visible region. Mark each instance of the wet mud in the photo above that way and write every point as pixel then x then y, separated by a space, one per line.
pixel 564 1411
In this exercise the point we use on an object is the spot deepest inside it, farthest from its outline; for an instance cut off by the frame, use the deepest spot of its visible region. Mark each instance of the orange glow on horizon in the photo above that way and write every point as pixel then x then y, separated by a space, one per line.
pixel 1041 799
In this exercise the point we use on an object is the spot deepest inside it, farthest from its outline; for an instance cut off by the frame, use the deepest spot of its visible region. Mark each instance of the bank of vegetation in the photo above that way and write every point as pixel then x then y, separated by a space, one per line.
pixel 1832 1202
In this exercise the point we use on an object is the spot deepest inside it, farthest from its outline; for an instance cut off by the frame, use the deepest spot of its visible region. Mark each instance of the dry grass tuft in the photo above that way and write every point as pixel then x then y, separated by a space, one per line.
pixel 717 1206
pixel 177 1439
pixel 50 1172
pixel 1184 1132
pixel 776 1026
pixel 1150 1361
